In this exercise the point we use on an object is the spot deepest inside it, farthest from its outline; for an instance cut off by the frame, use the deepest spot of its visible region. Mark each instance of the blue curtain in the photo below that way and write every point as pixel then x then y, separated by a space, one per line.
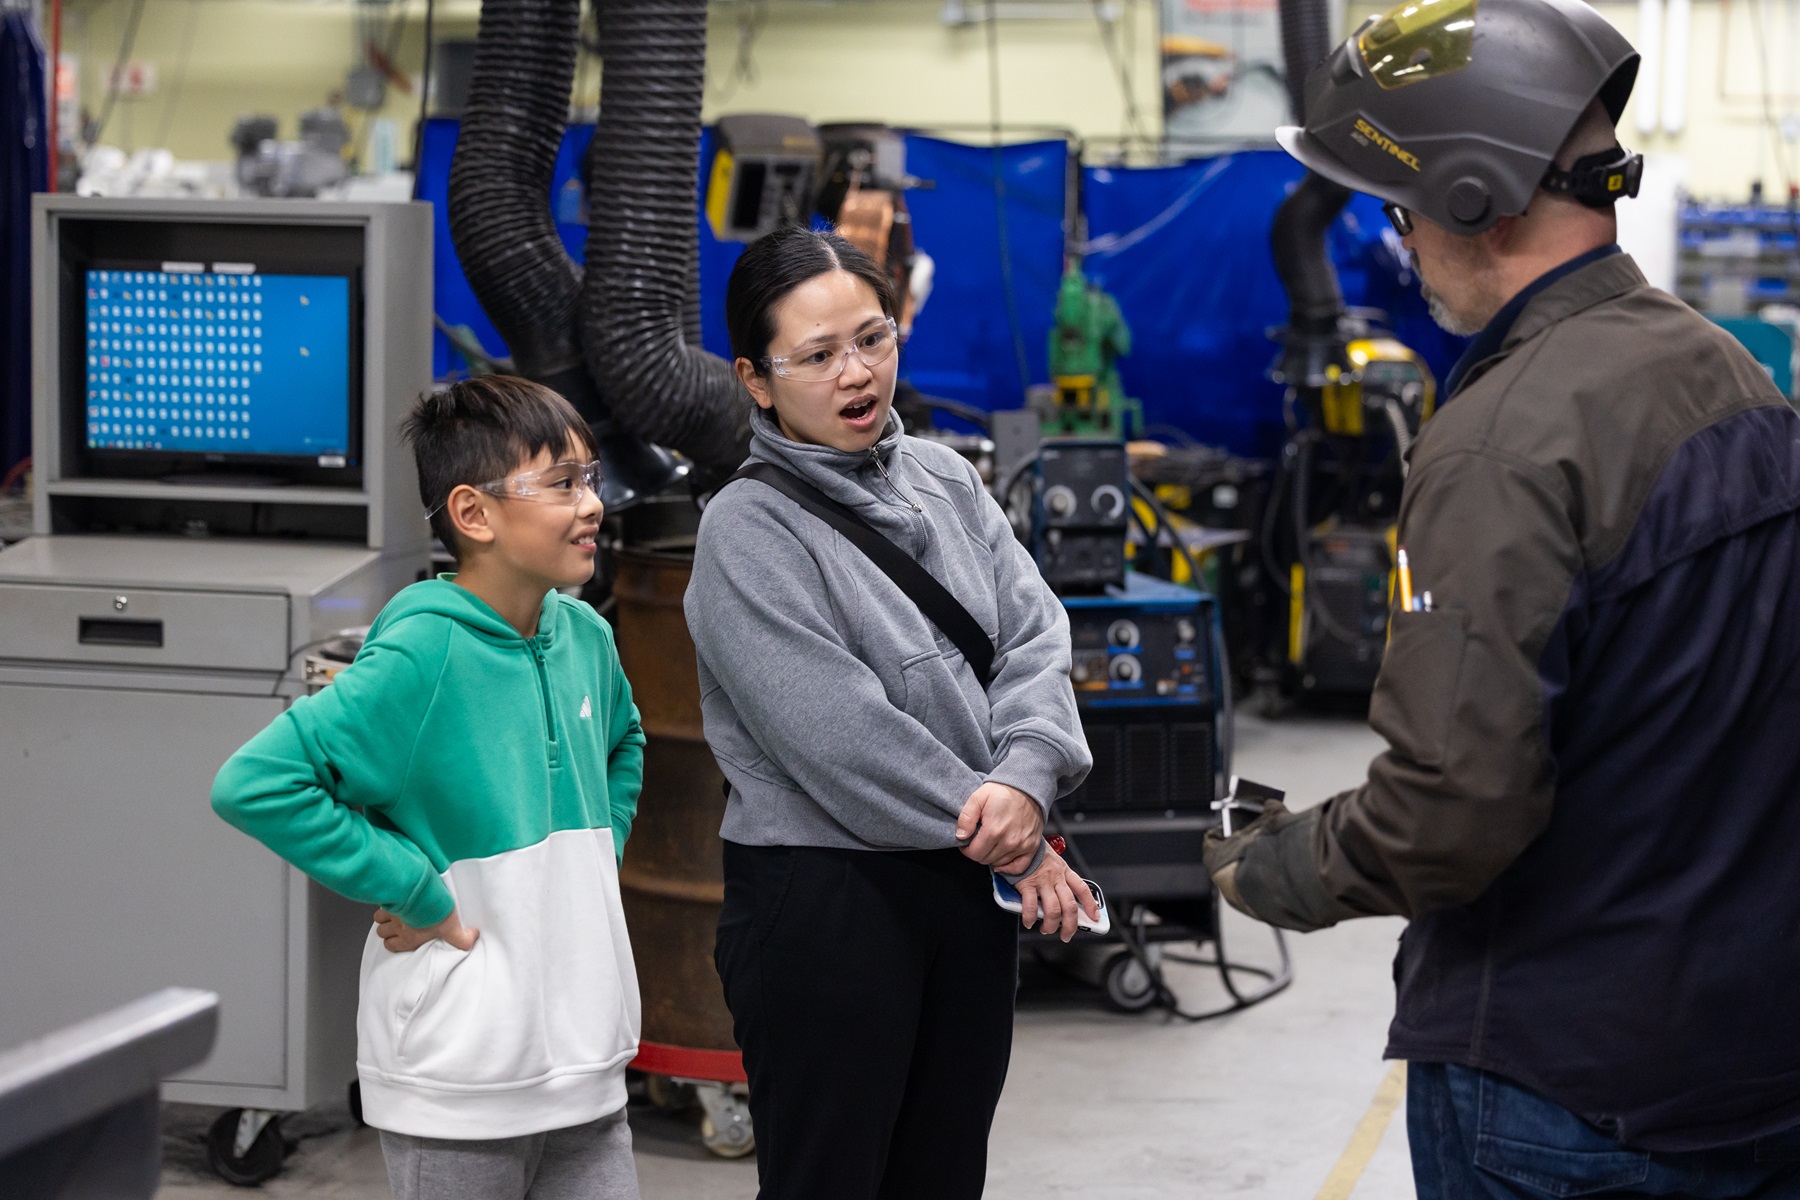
pixel 24 169
pixel 1184 248
pixel 1186 251
pixel 986 312
pixel 456 304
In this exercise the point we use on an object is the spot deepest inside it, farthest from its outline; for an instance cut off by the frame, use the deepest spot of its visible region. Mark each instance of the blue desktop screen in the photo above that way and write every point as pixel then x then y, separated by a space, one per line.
pixel 219 363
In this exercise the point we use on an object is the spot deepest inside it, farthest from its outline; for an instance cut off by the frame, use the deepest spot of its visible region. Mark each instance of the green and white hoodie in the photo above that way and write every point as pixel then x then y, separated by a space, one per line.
pixel 496 775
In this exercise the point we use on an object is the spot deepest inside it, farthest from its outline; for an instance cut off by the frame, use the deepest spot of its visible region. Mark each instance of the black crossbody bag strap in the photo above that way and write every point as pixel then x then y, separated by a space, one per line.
pixel 932 597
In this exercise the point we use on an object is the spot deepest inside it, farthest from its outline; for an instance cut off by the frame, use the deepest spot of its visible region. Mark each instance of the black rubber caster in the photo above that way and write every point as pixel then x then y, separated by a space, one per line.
pixel 1127 986
pixel 260 1163
pixel 354 1096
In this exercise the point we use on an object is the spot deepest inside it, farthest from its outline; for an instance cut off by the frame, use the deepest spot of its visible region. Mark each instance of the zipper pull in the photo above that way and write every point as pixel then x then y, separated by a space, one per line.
pixel 876 459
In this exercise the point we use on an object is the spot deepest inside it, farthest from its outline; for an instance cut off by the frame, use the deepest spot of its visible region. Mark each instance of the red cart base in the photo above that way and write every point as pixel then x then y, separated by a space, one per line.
pixel 682 1062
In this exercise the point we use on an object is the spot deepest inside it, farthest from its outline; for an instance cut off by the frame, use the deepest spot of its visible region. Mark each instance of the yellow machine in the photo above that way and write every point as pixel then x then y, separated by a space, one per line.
pixel 1341 579
pixel 1383 373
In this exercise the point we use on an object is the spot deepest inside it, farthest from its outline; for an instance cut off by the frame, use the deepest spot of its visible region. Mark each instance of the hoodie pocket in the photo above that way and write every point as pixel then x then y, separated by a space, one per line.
pixel 922 673
pixel 436 960
pixel 549 987
pixel 729 741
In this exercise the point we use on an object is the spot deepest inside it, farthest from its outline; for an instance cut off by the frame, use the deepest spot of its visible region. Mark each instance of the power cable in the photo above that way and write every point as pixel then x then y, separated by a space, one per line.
pixel 992 24
pixel 1782 162
pixel 751 19
pixel 118 71
pixel 390 47
pixel 1109 40
pixel 182 56
pixel 424 100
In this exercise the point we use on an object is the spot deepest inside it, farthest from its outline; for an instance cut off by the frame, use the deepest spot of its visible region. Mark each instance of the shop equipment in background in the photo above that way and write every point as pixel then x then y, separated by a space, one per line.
pixel 1356 398
pixel 673 879
pixel 220 485
pixel 765 174
pixel 1344 472
pixel 1079 516
pixel 1087 339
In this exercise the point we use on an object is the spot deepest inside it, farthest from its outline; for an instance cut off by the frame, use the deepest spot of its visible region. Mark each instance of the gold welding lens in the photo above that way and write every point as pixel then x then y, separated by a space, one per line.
pixel 1419 41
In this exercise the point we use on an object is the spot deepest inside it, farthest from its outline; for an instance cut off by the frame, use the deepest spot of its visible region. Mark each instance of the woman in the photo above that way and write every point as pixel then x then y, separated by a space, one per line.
pixel 875 783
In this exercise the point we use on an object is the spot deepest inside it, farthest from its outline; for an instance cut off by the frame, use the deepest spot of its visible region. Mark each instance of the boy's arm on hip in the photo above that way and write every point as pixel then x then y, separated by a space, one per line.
pixel 292 786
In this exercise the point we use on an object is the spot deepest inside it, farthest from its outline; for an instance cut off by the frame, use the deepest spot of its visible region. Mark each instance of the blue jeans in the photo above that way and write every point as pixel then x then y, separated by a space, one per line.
pixel 1475 1136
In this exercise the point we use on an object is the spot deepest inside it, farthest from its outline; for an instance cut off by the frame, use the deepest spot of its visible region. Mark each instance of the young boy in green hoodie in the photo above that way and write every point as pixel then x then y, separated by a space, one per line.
pixel 474 773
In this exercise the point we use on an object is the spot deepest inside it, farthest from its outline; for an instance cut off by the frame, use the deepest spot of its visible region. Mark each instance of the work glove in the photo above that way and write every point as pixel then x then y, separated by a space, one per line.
pixel 1222 854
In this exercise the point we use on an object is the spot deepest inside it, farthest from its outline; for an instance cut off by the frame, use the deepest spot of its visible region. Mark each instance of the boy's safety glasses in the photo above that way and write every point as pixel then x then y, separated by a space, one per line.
pixel 565 483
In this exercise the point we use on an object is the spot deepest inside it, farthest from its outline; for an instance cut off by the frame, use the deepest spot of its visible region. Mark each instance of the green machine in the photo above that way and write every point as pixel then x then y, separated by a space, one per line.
pixel 1087 338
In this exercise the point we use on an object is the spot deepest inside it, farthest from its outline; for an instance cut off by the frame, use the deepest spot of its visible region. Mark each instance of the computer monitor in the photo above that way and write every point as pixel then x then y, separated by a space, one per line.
pixel 240 361
pixel 224 363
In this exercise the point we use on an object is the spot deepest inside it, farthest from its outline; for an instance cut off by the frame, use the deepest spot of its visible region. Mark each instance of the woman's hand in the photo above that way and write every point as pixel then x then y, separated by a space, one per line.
pixel 1060 892
pixel 400 937
pixel 1001 827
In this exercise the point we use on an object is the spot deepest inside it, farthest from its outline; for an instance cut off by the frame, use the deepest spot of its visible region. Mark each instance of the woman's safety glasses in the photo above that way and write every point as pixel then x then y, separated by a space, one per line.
pixel 1399 218
pixel 565 483
pixel 816 364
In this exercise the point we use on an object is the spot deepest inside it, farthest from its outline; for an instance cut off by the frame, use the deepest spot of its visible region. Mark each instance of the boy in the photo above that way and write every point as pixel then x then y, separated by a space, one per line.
pixel 487 734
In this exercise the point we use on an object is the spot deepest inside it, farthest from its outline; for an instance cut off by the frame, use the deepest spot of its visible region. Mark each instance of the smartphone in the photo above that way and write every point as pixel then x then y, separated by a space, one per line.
pixel 1007 897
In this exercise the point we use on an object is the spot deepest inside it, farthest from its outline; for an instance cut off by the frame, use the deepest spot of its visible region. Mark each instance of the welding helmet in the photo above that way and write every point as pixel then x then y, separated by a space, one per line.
pixel 1455 109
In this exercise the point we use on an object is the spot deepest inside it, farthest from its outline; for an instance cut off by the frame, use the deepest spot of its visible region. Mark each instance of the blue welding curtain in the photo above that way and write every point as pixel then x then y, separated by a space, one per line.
pixel 1186 251
pixel 24 169
pixel 1184 248
pixel 985 314
pixel 456 304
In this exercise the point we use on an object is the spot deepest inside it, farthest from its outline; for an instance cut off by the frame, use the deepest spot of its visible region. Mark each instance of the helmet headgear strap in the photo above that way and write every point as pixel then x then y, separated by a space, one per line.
pixel 1597 180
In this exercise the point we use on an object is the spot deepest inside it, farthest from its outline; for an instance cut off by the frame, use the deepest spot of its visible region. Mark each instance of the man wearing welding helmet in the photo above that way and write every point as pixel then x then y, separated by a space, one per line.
pixel 1589 806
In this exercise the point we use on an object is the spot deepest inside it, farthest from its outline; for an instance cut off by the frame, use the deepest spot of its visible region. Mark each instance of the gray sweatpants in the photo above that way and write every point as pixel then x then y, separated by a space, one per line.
pixel 584 1162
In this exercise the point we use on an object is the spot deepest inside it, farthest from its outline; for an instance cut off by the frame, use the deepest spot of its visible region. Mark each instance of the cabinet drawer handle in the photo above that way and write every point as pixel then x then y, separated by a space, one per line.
pixel 119 631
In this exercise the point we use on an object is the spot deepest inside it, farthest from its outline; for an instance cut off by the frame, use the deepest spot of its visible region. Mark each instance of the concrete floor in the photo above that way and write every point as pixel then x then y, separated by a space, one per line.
pixel 1098 1105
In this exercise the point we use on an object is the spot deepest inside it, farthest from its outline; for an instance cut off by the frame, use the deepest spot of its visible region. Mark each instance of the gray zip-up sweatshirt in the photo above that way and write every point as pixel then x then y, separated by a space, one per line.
pixel 840 715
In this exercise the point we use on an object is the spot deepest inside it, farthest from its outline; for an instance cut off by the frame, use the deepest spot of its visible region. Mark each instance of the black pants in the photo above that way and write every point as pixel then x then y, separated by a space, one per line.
pixel 872 994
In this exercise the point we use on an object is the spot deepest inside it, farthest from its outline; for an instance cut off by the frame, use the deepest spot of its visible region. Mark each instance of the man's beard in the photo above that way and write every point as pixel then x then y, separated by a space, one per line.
pixel 1448 321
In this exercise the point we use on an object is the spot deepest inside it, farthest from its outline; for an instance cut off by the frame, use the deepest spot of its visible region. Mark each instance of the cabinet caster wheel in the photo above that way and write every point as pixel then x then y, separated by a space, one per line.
pixel 1127 986
pixel 354 1097
pixel 725 1130
pixel 244 1146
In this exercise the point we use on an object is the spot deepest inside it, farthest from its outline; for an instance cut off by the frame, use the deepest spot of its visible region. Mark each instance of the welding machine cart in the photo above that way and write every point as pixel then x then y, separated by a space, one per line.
pixel 1154 693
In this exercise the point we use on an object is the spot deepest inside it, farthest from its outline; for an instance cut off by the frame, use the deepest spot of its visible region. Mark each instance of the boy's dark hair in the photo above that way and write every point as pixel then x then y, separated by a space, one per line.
pixel 776 264
pixel 481 429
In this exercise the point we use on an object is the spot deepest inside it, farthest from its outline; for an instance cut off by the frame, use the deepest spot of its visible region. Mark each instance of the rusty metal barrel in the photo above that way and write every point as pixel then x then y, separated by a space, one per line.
pixel 673 878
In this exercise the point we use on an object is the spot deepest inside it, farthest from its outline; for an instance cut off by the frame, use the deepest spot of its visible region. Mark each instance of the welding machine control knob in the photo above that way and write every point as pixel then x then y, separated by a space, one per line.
pixel 1127 669
pixel 1060 501
pixel 1108 502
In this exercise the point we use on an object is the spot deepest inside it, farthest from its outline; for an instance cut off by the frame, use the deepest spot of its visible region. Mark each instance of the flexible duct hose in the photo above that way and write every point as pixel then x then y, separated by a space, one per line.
pixel 500 219
pixel 642 231
pixel 1297 238
pixel 1305 43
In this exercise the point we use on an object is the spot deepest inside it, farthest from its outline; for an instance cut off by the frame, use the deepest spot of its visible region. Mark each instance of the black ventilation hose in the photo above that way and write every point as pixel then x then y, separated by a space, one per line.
pixel 637 314
pixel 1312 340
pixel 500 205
pixel 1315 302
pixel 1305 43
